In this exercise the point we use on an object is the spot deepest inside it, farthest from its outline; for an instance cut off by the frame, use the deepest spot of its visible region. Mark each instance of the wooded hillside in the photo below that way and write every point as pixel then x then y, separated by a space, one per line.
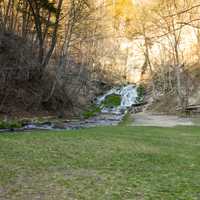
pixel 57 55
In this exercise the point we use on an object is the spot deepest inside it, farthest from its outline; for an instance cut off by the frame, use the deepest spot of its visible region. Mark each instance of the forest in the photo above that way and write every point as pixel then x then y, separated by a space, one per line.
pixel 99 99
pixel 57 56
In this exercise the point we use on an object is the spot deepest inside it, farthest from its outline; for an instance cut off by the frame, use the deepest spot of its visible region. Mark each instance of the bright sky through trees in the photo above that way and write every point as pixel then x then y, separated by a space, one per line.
pixel 140 1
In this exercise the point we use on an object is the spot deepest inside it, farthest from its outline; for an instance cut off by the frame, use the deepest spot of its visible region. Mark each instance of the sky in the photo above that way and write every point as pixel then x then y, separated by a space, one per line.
pixel 140 1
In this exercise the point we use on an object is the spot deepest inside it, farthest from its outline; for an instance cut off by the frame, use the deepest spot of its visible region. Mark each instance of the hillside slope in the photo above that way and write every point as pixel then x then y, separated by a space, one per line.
pixel 22 90
pixel 167 103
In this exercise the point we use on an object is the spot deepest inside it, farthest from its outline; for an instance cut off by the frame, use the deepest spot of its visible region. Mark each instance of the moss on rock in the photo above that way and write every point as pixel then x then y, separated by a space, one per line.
pixel 112 100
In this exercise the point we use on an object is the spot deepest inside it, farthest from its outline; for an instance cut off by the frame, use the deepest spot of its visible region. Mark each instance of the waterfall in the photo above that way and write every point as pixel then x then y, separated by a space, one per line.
pixel 128 95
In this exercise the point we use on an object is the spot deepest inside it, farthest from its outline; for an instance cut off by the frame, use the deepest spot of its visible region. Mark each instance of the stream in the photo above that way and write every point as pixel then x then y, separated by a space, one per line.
pixel 112 115
pixel 109 116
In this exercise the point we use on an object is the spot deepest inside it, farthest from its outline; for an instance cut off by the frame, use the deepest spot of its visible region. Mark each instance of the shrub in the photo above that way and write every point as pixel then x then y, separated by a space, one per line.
pixel 140 92
pixel 10 124
pixel 92 111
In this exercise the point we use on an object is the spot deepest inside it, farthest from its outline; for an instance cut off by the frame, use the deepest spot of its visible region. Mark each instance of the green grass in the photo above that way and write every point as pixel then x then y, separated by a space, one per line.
pixel 127 120
pixel 108 163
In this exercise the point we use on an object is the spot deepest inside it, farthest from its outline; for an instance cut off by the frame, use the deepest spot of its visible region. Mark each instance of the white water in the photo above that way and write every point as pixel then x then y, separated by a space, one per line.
pixel 128 95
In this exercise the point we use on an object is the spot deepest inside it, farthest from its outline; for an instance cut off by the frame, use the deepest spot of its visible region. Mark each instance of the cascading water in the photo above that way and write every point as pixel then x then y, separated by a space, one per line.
pixel 128 96
pixel 109 116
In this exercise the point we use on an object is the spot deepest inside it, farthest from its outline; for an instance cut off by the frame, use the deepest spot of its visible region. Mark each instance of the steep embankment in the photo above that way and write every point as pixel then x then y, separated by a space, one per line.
pixel 23 90
pixel 19 89
pixel 168 102
pixel 27 91
pixel 194 97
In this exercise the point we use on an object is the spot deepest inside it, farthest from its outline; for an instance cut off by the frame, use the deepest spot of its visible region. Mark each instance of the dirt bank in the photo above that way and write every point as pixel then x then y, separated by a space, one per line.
pixel 149 119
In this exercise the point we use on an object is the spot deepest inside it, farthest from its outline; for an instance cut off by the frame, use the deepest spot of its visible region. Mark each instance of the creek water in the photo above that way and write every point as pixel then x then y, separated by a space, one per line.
pixel 107 116
pixel 128 96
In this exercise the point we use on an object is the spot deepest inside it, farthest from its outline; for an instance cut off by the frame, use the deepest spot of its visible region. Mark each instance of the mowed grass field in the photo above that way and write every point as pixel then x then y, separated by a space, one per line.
pixel 109 163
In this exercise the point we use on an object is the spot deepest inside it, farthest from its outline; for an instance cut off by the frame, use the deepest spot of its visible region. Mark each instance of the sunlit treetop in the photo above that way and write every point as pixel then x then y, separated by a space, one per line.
pixel 123 10
pixel 126 9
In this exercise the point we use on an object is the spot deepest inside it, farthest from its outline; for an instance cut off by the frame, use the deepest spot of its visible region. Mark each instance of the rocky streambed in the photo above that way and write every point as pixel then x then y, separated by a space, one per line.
pixel 101 119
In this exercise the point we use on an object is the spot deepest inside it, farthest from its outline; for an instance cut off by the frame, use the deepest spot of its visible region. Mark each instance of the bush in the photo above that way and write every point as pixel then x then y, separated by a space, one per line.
pixel 92 111
pixel 141 93
pixel 10 124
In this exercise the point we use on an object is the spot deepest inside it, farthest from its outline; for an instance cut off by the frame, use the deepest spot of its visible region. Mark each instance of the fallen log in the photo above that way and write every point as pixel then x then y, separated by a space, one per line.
pixel 140 104
pixel 190 108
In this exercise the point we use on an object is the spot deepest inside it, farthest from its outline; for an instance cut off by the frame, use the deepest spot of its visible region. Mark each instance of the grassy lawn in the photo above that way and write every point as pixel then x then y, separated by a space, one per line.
pixel 113 163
